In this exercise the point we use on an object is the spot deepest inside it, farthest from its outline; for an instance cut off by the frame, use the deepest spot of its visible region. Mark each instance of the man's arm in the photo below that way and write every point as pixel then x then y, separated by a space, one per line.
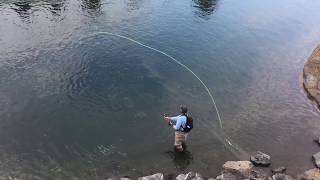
pixel 171 120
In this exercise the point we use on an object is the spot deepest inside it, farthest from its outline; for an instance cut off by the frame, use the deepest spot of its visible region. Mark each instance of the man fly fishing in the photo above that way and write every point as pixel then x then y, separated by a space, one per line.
pixel 182 124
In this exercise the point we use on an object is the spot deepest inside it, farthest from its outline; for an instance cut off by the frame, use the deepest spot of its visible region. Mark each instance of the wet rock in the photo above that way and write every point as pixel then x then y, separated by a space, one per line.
pixel 316 159
pixel 280 176
pixel 189 176
pixel 238 168
pixel 227 176
pixel 260 159
pixel 311 75
pixel 312 174
pixel 317 140
pixel 258 175
pixel 281 169
pixel 158 176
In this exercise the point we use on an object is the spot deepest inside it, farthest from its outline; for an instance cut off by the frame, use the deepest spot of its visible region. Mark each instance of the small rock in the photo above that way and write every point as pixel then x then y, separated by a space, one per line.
pixel 318 139
pixel 260 159
pixel 212 179
pixel 180 177
pixel 312 174
pixel 124 178
pixel 316 158
pixel 281 169
pixel 189 176
pixel 158 176
pixel 258 175
pixel 240 168
pixel 280 176
pixel 226 176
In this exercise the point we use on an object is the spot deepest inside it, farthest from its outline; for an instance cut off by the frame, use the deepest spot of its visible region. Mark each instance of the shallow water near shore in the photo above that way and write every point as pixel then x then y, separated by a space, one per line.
pixel 76 103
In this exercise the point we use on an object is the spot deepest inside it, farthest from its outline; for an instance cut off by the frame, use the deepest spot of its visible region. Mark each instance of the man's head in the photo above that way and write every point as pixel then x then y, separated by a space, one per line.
pixel 183 109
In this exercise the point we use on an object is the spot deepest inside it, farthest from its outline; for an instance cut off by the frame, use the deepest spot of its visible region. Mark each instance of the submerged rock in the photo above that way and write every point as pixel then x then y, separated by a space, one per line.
pixel 317 140
pixel 260 159
pixel 316 158
pixel 238 168
pixel 280 176
pixel 189 176
pixel 281 169
pixel 312 174
pixel 158 176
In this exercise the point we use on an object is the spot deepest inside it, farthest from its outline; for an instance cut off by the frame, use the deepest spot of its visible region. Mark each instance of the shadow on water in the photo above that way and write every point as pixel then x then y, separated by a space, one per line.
pixel 181 160
pixel 204 8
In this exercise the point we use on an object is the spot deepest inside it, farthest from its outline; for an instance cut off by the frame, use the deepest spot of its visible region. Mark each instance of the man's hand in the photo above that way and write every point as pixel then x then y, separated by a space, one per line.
pixel 167 119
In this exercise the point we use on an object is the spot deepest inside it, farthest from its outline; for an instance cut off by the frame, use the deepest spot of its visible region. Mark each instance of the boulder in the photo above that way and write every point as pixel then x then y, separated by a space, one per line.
pixel 316 158
pixel 311 75
pixel 189 176
pixel 158 176
pixel 260 159
pixel 280 176
pixel 240 168
pixel 281 169
pixel 312 174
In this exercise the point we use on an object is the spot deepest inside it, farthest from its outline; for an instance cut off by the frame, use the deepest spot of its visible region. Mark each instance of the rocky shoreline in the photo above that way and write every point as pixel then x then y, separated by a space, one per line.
pixel 311 76
pixel 244 170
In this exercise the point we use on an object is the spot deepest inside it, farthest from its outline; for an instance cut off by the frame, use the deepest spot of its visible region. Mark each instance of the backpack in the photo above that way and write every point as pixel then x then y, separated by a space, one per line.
pixel 189 124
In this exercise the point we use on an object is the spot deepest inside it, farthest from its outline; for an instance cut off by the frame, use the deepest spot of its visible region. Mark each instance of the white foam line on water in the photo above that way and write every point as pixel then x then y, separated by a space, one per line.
pixel 226 138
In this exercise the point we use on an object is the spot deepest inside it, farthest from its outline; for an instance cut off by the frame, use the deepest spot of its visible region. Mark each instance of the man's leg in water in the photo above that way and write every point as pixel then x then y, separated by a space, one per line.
pixel 180 140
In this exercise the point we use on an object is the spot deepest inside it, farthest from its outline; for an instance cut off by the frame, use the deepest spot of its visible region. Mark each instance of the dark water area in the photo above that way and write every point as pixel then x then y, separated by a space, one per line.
pixel 76 103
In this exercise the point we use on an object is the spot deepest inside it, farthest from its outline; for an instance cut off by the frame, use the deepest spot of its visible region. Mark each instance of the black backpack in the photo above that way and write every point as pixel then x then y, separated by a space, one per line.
pixel 189 124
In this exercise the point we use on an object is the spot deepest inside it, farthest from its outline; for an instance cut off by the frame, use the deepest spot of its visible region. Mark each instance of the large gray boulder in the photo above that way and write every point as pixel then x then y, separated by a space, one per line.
pixel 238 168
pixel 158 176
pixel 189 176
pixel 311 75
pixel 260 159
pixel 312 174
pixel 280 176
pixel 316 158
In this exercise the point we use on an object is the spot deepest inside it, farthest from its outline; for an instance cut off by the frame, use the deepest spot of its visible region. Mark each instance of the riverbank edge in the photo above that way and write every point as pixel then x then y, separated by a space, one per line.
pixel 235 170
pixel 311 76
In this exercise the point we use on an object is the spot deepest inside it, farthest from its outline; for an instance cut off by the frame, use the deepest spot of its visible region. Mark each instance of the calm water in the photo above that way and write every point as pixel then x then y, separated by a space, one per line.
pixel 85 106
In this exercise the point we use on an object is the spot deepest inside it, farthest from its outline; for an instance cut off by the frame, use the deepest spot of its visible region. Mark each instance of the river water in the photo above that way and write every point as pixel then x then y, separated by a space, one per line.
pixel 79 103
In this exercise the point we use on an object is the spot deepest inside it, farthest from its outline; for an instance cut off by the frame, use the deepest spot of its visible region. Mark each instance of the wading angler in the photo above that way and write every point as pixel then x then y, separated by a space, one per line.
pixel 182 124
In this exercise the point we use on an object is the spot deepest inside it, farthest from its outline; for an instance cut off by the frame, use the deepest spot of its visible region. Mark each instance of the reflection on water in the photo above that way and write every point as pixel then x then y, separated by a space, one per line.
pixel 204 8
pixel 181 160
pixel 92 6
pixel 134 4
pixel 22 8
